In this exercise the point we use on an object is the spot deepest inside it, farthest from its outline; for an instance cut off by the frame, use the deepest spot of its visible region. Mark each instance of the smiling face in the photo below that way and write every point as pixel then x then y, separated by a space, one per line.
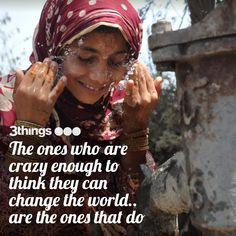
pixel 93 63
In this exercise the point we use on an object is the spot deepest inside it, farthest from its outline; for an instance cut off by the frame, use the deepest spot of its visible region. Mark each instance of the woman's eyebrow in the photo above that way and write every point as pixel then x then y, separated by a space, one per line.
pixel 120 52
pixel 90 49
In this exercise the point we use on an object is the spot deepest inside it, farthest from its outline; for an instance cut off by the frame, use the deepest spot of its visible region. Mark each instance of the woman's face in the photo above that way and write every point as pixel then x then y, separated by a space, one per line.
pixel 93 63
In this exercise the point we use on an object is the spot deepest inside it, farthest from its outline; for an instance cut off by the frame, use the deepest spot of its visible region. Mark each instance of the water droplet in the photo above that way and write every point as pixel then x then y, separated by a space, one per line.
pixel 130 71
pixel 58 59
pixel 80 42
pixel 111 86
pixel 67 52
pixel 120 86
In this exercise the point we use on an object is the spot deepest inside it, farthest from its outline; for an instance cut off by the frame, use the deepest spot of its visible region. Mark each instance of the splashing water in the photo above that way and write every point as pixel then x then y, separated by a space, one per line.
pixel 122 84
pixel 131 68
pixel 59 60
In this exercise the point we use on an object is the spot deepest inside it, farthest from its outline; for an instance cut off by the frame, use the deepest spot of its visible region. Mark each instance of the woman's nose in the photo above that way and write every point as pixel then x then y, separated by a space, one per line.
pixel 101 74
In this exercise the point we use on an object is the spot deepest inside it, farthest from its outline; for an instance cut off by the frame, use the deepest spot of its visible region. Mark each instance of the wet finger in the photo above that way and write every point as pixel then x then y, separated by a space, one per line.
pixel 129 92
pixel 158 85
pixel 134 98
pixel 31 73
pixel 50 77
pixel 41 74
pixel 150 83
pixel 19 78
pixel 57 90
pixel 142 77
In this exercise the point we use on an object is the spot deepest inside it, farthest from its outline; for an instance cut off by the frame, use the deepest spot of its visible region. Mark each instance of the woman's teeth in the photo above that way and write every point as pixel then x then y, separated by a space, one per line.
pixel 91 87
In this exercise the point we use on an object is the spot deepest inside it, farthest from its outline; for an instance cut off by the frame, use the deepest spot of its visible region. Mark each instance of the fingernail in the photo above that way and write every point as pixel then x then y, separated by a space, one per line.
pixel 54 65
pixel 46 60
pixel 64 78
pixel 17 70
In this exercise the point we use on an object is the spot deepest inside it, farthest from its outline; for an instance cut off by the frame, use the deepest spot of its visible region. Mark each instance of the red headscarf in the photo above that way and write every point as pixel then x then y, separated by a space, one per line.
pixel 62 21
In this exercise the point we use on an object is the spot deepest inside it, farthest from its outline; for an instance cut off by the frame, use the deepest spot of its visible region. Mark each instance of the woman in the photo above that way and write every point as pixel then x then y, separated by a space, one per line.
pixel 84 52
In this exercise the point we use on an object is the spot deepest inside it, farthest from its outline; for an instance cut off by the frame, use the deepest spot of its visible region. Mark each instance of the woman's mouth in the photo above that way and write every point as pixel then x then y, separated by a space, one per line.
pixel 91 88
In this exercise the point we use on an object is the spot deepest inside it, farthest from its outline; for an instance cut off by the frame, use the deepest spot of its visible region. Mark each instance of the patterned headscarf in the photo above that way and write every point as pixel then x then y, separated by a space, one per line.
pixel 62 21
pixel 60 24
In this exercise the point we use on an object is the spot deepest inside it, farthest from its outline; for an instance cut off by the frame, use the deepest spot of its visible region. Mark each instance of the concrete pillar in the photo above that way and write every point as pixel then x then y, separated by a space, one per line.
pixel 204 59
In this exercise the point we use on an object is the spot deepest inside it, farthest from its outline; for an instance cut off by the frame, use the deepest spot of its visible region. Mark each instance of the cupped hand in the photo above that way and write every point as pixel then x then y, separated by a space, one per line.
pixel 142 95
pixel 35 94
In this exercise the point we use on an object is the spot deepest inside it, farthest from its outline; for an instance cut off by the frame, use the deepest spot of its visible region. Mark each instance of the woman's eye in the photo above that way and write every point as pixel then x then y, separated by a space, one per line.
pixel 119 61
pixel 115 64
pixel 118 64
pixel 85 60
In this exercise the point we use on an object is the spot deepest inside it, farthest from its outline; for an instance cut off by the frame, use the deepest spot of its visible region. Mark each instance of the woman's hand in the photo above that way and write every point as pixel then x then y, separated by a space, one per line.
pixel 142 95
pixel 35 95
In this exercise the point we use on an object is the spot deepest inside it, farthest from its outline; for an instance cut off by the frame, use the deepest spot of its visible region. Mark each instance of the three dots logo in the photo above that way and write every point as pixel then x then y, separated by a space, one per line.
pixel 67 131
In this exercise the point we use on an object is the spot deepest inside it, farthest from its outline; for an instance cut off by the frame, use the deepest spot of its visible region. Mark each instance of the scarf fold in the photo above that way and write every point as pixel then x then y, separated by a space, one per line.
pixel 100 121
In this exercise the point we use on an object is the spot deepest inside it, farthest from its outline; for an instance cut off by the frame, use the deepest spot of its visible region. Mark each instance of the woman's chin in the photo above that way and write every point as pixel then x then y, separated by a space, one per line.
pixel 88 101
pixel 88 98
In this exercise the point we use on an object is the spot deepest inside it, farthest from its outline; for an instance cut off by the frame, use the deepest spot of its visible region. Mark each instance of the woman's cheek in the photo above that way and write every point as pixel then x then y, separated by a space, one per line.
pixel 74 70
